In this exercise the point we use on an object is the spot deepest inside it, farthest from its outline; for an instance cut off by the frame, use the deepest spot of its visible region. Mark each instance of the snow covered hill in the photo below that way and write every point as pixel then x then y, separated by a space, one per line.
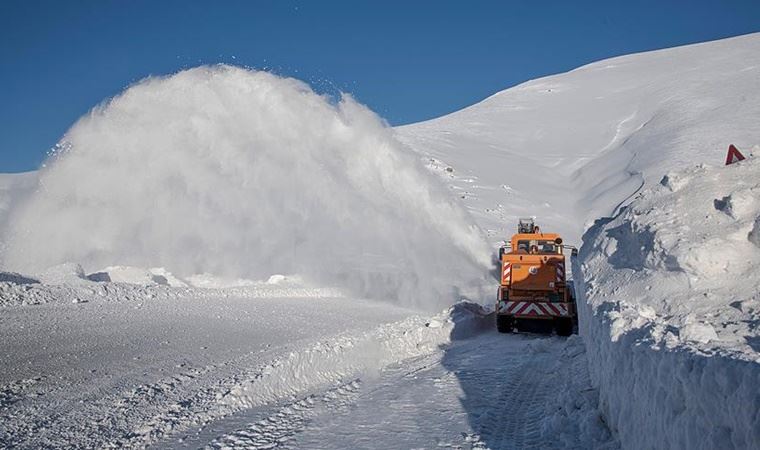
pixel 628 155
pixel 570 148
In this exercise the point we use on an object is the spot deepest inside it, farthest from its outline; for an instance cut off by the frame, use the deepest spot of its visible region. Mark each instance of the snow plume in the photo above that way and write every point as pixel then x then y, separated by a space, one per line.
pixel 243 173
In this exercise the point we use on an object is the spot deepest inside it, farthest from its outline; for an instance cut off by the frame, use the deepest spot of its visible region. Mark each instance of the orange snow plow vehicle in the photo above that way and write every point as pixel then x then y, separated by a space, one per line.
pixel 534 293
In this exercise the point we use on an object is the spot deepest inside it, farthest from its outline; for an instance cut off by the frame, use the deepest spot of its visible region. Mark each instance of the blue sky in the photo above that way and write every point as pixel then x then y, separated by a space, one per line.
pixel 409 61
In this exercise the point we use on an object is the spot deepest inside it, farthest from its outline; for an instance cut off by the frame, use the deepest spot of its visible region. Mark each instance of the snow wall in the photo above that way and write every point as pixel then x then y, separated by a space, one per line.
pixel 243 173
pixel 670 311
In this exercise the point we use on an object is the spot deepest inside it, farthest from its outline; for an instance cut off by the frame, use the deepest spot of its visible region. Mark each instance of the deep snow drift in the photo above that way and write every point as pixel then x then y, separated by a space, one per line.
pixel 245 174
pixel 672 307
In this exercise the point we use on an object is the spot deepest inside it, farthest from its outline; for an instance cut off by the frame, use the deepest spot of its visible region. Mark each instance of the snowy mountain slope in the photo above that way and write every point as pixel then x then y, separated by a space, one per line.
pixel 669 303
pixel 569 148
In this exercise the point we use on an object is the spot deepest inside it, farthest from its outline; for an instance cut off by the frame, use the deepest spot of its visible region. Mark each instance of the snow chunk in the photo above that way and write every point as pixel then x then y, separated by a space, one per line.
pixel 673 181
pixel 277 279
pixel 698 332
pixel 754 235
pixel 209 281
pixel 67 273
pixel 137 275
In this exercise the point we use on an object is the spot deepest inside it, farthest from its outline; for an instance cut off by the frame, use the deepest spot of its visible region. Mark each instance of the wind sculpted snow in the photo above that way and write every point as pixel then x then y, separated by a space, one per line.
pixel 245 174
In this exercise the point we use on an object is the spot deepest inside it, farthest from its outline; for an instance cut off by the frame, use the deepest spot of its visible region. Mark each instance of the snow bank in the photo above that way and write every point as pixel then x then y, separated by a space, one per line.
pixel 137 275
pixel 343 357
pixel 159 276
pixel 210 281
pixel 68 284
pixel 302 368
pixel 671 308
pixel 573 416
pixel 246 174
pixel 66 273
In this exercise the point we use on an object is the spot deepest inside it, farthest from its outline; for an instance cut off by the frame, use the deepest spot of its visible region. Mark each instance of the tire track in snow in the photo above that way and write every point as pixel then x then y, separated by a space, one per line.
pixel 524 392
pixel 278 429
pixel 491 391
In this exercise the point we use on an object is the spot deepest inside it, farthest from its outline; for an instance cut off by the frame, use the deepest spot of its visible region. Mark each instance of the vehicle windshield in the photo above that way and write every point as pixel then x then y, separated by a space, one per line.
pixel 537 246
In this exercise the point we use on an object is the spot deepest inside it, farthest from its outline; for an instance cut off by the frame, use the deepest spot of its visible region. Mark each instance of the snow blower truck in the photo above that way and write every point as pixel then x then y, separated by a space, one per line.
pixel 534 293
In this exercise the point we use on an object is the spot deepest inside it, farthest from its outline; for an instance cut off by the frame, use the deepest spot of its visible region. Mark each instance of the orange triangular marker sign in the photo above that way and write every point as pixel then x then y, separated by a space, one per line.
pixel 733 155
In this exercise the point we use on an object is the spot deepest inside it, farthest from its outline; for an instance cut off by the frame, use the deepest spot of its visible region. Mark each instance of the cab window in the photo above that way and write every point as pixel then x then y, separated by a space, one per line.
pixel 538 246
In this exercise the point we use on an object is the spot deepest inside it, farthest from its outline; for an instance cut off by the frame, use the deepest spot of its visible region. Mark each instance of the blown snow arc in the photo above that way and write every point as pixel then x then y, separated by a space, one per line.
pixel 243 173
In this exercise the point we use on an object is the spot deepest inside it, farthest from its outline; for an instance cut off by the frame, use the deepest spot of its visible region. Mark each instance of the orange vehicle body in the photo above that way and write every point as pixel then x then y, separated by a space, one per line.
pixel 534 285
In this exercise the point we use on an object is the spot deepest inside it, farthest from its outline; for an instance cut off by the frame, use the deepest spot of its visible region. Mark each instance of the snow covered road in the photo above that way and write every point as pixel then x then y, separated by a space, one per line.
pixel 487 391
pixel 123 372
pixel 219 368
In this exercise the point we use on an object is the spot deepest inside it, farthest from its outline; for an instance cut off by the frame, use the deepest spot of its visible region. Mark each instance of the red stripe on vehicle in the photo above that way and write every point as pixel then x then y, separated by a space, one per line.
pixel 550 309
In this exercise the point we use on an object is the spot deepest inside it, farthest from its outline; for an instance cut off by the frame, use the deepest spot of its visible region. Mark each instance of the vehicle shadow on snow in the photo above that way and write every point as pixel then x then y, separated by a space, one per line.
pixel 522 390
pixel 500 380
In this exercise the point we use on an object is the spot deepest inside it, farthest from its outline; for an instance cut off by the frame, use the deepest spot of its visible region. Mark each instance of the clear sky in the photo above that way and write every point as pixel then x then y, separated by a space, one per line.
pixel 408 60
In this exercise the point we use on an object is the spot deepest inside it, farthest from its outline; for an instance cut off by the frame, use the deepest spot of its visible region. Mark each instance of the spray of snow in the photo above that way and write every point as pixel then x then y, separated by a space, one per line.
pixel 244 174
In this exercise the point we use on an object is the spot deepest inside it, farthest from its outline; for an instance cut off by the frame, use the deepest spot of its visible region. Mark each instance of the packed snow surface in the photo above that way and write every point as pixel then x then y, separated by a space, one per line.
pixel 485 392
pixel 245 174
pixel 101 364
